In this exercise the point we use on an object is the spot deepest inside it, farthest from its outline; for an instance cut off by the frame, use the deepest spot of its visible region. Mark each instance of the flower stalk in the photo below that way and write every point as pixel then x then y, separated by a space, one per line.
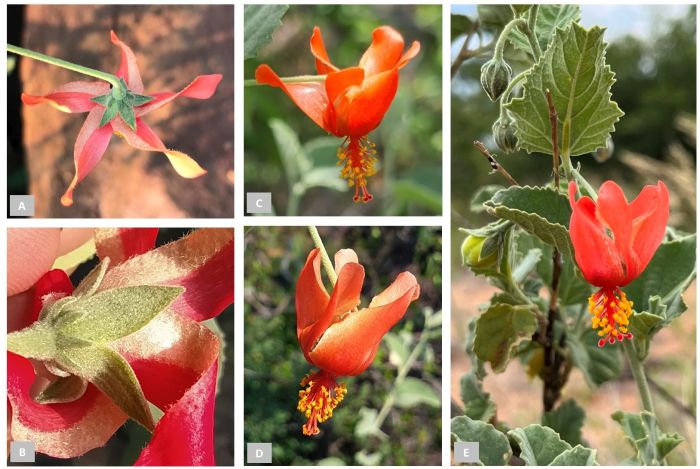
pixel 325 259
pixel 640 377
pixel 294 79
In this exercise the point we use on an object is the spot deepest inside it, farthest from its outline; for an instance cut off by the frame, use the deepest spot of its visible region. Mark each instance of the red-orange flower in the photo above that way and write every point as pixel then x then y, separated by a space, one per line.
pixel 351 102
pixel 94 136
pixel 336 336
pixel 614 242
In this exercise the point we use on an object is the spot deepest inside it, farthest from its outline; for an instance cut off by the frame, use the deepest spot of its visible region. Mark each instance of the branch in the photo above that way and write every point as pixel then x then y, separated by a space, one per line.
pixel 555 143
pixel 495 166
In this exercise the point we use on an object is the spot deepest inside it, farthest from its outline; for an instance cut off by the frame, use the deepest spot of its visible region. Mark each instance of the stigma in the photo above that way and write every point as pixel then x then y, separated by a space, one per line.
pixel 321 396
pixel 611 311
pixel 358 157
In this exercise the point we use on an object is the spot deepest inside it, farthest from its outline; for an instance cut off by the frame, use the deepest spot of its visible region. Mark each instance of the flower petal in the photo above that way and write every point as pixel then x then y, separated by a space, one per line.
pixel 30 254
pixel 318 49
pixel 202 87
pixel 595 252
pixel 344 256
pixel 361 109
pixel 202 262
pixel 120 244
pixel 348 347
pixel 71 97
pixel 339 82
pixel 89 147
pixel 64 430
pixel 613 210
pixel 409 54
pixel 128 70
pixel 649 212
pixel 385 51
pixel 310 97
pixel 311 296
pixel 146 139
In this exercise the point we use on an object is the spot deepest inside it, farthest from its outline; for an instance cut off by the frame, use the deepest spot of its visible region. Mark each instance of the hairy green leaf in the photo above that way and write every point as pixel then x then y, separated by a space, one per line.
pixel 37 341
pixel 597 364
pixel 573 68
pixel 549 18
pixel 260 22
pixel 477 403
pixel 539 211
pixel 567 420
pixel 539 445
pixel 576 456
pixel 499 330
pixel 494 17
pixel 116 313
pixel 494 449
pixel 643 433
pixel 413 391
pixel 107 370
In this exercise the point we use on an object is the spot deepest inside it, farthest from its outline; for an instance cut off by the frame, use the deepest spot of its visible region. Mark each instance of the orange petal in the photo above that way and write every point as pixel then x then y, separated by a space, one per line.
pixel 318 49
pixel 385 51
pixel 348 347
pixel 338 82
pixel 409 54
pixel 128 70
pixel 311 296
pixel 344 256
pixel 310 97
pixel 71 97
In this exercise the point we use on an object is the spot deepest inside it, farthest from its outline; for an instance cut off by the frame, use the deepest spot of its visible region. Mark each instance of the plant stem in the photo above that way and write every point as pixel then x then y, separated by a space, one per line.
pixel 518 78
pixel 530 32
pixel 108 77
pixel 325 260
pixel 296 79
pixel 495 166
pixel 637 370
pixel 500 45
pixel 553 122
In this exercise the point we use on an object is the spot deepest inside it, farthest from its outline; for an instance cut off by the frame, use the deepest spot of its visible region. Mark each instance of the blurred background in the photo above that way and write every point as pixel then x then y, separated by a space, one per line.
pixel 409 140
pixel 407 413
pixel 652 50
pixel 126 444
pixel 173 44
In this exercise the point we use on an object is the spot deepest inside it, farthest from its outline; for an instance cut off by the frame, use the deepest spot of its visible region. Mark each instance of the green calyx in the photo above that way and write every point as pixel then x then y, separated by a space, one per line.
pixel 72 336
pixel 121 101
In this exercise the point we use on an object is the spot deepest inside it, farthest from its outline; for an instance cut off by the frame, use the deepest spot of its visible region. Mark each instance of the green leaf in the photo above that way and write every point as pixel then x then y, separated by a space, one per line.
pixel 331 461
pixel 499 330
pixel 324 176
pixel 483 195
pixel 290 150
pixel 494 17
pixel 567 420
pixel 526 265
pixel 539 211
pixel 92 281
pixel 116 313
pixel 126 111
pixel 398 349
pixel 539 445
pixel 642 432
pixel 413 391
pixel 573 68
pixel 494 448
pixel 412 191
pixel 365 458
pixel 576 456
pixel 366 424
pixel 477 403
pixel 597 364
pixel 112 375
pixel 260 22
pixel 64 389
pixel 549 18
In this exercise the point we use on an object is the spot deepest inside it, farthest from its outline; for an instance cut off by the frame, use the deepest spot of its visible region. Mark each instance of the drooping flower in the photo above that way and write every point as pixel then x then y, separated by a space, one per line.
pixel 350 102
pixel 95 134
pixel 614 241
pixel 174 358
pixel 336 335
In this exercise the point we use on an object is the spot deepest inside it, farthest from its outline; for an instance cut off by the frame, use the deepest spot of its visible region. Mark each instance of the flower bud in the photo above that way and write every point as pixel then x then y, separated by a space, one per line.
pixel 471 253
pixel 504 134
pixel 495 76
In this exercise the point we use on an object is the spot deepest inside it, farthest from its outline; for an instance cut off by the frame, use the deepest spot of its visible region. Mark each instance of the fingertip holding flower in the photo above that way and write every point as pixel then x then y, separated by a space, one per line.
pixel 614 241
pixel 338 336
pixel 351 102
pixel 94 136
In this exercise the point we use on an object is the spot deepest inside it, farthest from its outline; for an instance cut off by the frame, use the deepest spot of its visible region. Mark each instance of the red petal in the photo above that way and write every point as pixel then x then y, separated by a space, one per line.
pixel 348 347
pixel 185 434
pixel 59 430
pixel 318 49
pixel 54 281
pixel 310 97
pixel 596 253
pixel 71 97
pixel 613 210
pixel 30 254
pixel 202 262
pixel 649 212
pixel 128 70
pixel 385 51
pixel 89 147
pixel 146 139
pixel 339 82
pixel 202 87
pixel 361 109
pixel 311 296
pixel 120 244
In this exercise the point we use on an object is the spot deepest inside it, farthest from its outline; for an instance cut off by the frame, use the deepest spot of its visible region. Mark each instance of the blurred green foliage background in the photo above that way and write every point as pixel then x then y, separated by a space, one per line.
pixel 656 88
pixel 274 363
pixel 409 140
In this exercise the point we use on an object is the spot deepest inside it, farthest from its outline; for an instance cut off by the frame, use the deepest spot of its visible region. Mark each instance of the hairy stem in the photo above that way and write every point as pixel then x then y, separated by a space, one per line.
pixel 325 260
pixel 108 77
pixel 553 122
pixel 495 166
pixel 529 30
pixel 637 369
pixel 517 79
pixel 296 79
pixel 501 43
